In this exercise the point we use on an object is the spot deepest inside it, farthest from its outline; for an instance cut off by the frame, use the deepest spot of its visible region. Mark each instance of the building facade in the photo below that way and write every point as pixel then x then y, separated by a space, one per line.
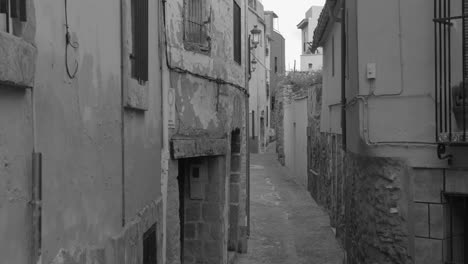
pixel 277 64
pixel 393 99
pixel 125 132
pixel 259 80
pixel 310 60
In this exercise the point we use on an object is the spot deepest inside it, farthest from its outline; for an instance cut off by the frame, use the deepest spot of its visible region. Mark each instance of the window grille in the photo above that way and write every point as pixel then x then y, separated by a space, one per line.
pixel 11 10
pixel 140 40
pixel 237 33
pixel 451 71
pixel 196 21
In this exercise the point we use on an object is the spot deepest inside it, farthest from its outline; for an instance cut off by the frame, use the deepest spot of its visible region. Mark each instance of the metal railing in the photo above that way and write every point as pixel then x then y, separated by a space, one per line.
pixel 451 71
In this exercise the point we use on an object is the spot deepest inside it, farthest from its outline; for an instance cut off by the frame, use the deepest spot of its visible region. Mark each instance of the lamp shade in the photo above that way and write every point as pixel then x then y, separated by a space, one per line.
pixel 255 35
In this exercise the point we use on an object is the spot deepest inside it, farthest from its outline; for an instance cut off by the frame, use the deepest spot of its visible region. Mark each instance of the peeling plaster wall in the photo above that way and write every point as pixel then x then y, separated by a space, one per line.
pixel 204 108
pixel 79 124
pixel 17 62
pixel 79 131
pixel 15 170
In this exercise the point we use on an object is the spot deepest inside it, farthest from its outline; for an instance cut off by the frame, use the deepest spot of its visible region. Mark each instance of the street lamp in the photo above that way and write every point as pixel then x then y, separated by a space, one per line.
pixel 255 36
pixel 254 64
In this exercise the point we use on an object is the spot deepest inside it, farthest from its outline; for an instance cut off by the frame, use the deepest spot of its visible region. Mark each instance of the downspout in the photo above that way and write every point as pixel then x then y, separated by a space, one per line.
pixel 122 101
pixel 343 74
pixel 247 115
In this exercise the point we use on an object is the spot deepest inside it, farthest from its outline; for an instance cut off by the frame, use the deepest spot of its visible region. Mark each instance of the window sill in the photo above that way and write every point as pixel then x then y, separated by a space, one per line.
pixel 197 48
pixel 17 62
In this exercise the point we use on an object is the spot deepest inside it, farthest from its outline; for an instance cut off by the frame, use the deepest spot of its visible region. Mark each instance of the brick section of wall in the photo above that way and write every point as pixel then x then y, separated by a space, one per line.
pixel 125 248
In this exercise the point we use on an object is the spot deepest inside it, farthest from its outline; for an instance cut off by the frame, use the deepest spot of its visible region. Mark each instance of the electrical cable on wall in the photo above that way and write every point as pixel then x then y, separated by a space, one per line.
pixel 69 42
pixel 176 69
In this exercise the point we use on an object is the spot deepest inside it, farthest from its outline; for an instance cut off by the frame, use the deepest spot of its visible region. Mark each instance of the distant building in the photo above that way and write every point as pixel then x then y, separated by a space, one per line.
pixel 277 63
pixel 259 80
pixel 310 60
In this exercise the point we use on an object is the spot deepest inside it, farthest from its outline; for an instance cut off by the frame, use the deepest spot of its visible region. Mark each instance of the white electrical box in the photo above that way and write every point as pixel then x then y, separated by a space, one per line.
pixel 371 71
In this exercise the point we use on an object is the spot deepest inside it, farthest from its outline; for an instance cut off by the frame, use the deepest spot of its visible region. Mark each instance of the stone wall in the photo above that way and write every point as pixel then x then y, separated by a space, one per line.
pixel 204 220
pixel 366 198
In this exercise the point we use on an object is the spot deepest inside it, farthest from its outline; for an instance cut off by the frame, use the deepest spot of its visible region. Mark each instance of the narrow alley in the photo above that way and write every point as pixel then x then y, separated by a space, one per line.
pixel 287 226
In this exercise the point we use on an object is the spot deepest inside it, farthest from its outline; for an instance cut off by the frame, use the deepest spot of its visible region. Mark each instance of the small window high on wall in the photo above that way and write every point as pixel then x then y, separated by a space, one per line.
pixel 237 33
pixel 140 40
pixel 11 10
pixel 197 25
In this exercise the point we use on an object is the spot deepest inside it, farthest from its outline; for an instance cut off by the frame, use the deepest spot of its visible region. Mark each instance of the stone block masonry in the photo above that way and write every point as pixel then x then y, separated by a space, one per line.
pixel 367 199
pixel 203 218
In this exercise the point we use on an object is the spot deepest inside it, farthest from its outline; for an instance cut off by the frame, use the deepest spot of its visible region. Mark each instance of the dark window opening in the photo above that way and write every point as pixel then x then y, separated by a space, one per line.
pixel 276 64
pixel 150 246
pixel 456 228
pixel 11 10
pixel 140 40
pixel 333 56
pixel 310 65
pixel 237 33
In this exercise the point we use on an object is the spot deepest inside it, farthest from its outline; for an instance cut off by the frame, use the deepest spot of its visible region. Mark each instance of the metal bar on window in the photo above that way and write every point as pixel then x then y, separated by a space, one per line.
pixel 465 61
pixel 449 69
pixel 444 73
pixel 441 110
pixel 435 74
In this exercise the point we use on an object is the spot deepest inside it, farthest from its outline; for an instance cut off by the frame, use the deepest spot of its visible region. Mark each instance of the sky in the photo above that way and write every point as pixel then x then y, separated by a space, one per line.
pixel 290 13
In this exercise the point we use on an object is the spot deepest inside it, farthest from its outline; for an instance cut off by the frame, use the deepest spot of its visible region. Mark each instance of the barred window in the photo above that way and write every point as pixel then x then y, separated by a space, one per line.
pixel 11 10
pixel 140 40
pixel 197 20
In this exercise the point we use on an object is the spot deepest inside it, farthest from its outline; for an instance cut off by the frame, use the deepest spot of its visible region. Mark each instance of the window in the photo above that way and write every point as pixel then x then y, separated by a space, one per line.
pixel 276 64
pixel 11 10
pixel 456 226
pixel 310 66
pixel 140 40
pixel 197 19
pixel 333 56
pixel 237 33
pixel 150 246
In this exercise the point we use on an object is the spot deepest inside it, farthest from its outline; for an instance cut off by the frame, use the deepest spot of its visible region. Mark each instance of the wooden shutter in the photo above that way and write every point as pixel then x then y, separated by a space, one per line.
pixel 140 40
pixel 22 10
pixel 3 6
pixel 237 33
pixel 13 8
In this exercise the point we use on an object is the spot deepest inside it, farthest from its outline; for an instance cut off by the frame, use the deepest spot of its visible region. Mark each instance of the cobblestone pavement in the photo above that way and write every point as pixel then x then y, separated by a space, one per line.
pixel 287 226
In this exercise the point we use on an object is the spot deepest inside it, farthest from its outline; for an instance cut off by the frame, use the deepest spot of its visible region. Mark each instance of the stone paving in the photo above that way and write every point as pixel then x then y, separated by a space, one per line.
pixel 287 226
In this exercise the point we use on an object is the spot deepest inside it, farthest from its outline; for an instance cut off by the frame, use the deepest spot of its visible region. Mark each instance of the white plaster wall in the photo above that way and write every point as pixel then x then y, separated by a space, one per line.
pixel 295 138
pixel 315 59
pixel 331 93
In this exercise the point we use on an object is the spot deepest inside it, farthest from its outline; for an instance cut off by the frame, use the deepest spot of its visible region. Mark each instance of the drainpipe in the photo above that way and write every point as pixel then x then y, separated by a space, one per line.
pixel 343 73
pixel 247 116
pixel 122 113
